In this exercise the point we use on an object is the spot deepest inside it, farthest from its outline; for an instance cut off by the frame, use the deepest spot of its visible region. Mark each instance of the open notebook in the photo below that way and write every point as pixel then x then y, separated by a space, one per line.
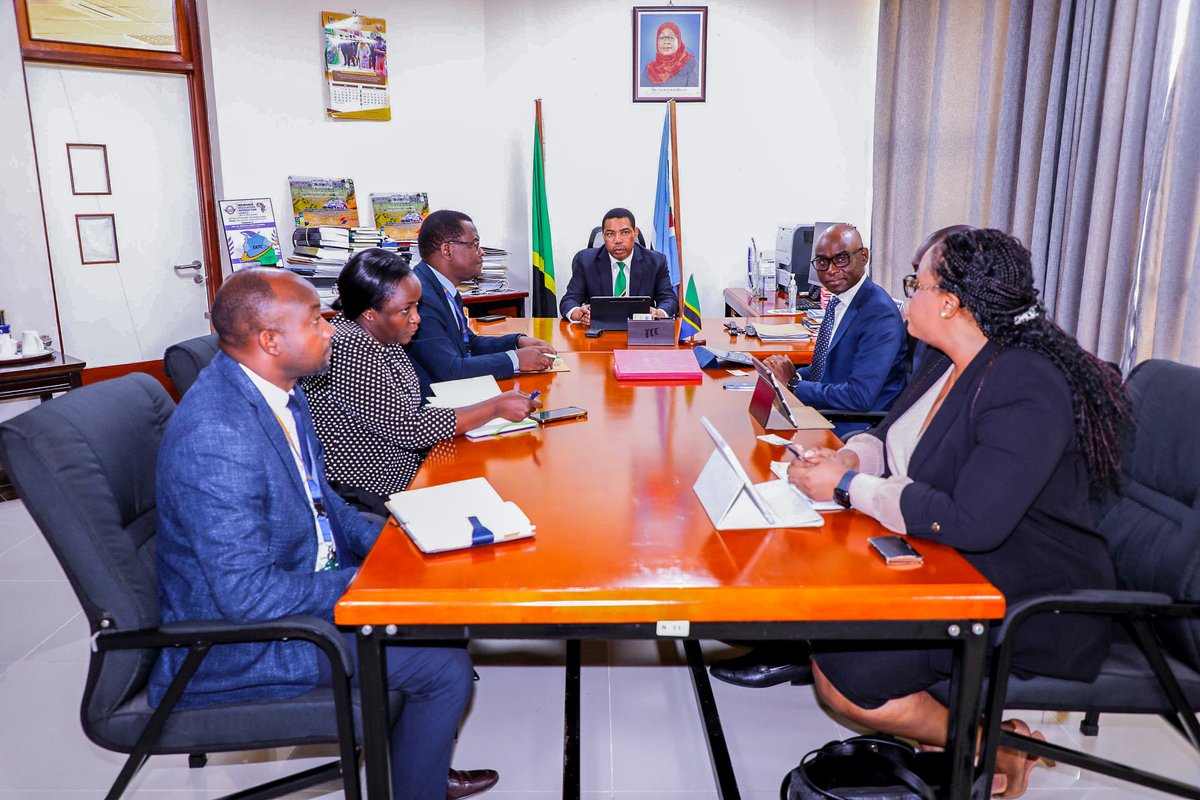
pixel 457 515
pixel 468 391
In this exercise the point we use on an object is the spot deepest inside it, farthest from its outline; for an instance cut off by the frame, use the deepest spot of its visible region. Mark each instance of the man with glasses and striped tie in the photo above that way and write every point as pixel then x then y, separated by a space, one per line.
pixel 620 268
pixel 858 358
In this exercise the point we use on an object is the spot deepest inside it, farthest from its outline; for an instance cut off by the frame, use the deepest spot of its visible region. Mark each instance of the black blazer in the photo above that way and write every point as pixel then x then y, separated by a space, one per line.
pixel 591 276
pixel 997 476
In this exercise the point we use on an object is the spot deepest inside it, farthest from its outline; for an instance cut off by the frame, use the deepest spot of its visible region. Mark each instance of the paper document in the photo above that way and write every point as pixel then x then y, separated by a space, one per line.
pixel 458 515
pixel 780 469
pixel 557 366
pixel 468 391
pixel 790 332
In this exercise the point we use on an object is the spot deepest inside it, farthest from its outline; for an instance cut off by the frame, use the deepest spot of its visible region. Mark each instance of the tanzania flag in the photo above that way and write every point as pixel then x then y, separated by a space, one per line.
pixel 691 311
pixel 545 304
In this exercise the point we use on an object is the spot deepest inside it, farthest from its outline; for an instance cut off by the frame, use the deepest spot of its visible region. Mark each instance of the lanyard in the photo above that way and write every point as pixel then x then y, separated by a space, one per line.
pixel 315 495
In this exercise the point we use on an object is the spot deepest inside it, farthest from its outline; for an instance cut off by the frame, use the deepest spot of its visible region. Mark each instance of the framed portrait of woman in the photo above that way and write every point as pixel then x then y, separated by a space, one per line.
pixel 670 53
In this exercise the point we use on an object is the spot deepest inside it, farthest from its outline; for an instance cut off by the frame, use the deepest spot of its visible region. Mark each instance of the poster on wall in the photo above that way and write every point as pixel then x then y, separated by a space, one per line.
pixel 251 237
pixel 398 216
pixel 355 66
pixel 324 201
pixel 670 53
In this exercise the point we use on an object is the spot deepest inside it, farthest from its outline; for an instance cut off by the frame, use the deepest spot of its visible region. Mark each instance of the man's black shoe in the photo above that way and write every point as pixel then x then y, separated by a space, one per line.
pixel 763 667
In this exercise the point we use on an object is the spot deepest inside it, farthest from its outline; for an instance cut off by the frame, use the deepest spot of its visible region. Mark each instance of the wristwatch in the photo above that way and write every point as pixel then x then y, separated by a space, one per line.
pixel 841 494
pixel 793 382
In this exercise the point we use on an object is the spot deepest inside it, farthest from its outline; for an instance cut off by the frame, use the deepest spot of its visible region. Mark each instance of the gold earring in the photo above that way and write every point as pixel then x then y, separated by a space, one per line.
pixel 945 315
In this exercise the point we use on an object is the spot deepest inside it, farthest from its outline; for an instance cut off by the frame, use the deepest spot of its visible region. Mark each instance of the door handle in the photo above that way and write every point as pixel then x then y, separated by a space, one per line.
pixel 194 265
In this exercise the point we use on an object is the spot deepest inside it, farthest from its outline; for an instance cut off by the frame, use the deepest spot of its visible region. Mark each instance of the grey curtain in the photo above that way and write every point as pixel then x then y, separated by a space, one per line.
pixel 1045 118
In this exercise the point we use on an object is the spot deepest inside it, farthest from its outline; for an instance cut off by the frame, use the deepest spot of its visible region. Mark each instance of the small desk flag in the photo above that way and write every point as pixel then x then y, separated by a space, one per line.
pixel 690 325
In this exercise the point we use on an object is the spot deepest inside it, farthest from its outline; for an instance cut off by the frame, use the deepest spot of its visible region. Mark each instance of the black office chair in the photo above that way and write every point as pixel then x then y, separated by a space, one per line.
pixel 596 232
pixel 84 463
pixel 1152 525
pixel 182 362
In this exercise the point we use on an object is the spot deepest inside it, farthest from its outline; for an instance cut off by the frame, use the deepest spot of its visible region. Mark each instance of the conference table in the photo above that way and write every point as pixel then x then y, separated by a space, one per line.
pixel 569 338
pixel 624 550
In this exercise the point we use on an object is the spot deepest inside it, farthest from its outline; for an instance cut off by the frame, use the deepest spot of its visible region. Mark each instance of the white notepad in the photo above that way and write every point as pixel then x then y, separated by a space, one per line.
pixel 468 391
pixel 439 518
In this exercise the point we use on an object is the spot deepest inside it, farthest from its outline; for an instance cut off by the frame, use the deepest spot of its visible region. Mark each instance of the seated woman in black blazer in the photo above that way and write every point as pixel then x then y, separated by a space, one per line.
pixel 993 449
pixel 367 408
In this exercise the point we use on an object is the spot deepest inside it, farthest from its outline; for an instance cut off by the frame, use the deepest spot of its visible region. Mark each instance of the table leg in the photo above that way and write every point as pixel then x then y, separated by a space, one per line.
pixel 372 683
pixel 966 691
pixel 718 750
pixel 571 723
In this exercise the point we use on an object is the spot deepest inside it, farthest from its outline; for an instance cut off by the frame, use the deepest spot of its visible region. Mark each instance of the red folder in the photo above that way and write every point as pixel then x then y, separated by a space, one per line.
pixel 656 365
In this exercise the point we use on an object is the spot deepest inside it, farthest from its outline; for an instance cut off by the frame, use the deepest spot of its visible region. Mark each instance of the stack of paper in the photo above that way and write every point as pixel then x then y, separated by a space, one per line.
pixel 455 515
pixel 789 332
pixel 468 391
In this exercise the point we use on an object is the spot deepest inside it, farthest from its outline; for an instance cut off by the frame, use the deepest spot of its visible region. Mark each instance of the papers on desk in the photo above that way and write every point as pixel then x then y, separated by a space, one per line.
pixel 779 468
pixel 457 515
pixel 788 332
pixel 558 366
pixel 468 391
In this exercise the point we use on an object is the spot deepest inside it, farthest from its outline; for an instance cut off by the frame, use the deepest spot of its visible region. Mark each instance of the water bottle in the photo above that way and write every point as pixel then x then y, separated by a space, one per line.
pixel 792 293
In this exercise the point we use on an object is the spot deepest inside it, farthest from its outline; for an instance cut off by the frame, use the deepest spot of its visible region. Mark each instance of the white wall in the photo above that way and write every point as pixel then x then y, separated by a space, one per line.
pixel 785 134
pixel 25 291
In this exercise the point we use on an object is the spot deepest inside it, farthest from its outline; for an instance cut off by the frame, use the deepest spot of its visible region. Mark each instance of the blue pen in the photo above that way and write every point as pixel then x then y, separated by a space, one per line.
pixel 535 394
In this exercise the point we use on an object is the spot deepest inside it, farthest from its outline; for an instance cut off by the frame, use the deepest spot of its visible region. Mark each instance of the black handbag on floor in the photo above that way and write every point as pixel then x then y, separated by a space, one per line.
pixel 877 767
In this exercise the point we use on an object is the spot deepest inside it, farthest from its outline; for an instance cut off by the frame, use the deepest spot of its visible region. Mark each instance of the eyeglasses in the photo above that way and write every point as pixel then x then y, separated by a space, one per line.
pixel 841 260
pixel 668 37
pixel 911 286
pixel 474 245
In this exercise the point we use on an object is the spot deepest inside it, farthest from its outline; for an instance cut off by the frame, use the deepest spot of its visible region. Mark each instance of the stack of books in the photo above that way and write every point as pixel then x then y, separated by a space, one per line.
pixel 324 250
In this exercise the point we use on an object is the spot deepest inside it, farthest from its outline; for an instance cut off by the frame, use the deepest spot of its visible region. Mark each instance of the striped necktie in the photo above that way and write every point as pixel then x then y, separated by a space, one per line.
pixel 821 349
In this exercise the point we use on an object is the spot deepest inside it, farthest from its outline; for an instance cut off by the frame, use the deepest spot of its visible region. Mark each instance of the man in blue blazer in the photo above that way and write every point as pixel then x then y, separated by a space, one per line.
pixel 445 348
pixel 249 530
pixel 858 358
pixel 621 267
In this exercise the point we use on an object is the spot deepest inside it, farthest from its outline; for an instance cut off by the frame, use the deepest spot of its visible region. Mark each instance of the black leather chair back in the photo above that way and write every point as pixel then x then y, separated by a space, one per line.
pixel 84 465
pixel 1153 523
pixel 182 362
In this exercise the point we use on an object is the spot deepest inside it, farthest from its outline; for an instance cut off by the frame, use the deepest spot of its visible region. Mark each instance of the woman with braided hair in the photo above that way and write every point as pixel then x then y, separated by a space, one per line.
pixel 995 448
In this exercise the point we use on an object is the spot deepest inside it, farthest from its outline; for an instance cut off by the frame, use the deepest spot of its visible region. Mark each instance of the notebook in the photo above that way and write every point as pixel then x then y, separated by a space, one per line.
pixel 468 391
pixel 457 515
pixel 656 365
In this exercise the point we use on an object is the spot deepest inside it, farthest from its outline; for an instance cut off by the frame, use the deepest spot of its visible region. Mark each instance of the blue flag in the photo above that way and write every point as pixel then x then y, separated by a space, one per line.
pixel 664 215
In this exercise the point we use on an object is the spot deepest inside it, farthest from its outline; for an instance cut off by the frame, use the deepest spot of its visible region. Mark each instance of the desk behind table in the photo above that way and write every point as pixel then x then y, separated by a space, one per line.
pixel 622 544
pixel 568 338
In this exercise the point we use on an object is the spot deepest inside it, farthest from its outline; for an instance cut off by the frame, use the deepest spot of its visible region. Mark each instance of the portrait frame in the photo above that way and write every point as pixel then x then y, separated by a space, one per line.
pixel 661 81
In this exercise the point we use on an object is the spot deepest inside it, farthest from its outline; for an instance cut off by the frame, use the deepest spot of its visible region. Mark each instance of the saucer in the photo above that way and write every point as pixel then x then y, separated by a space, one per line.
pixel 22 357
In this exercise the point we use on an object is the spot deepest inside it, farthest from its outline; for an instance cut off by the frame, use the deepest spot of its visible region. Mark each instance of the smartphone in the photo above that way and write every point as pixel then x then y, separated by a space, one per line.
pixel 594 333
pixel 557 414
pixel 895 551
pixel 490 318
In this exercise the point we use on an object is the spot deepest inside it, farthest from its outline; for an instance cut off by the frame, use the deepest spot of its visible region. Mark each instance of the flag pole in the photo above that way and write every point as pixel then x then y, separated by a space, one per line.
pixel 537 115
pixel 675 197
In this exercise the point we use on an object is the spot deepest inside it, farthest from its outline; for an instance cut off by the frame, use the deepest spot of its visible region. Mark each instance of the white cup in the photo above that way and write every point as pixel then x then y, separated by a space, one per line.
pixel 31 343
pixel 8 345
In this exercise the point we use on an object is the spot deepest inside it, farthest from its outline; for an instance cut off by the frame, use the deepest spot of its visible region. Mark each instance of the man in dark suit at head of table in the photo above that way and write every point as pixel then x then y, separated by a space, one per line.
pixel 444 347
pixel 622 267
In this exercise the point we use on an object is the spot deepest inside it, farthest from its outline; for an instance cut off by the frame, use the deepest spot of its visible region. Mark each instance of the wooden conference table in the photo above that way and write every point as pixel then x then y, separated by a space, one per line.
pixel 568 338
pixel 624 550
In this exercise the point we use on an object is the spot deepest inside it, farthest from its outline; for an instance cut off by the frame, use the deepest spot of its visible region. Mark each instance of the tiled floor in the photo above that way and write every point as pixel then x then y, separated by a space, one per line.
pixel 641 734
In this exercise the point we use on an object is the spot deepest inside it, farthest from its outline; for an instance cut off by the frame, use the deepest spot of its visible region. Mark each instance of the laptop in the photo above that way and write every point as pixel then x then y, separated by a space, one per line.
pixel 613 313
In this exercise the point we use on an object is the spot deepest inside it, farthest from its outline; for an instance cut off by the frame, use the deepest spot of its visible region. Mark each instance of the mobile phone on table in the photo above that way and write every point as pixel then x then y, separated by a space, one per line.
pixel 490 318
pixel 896 551
pixel 594 333
pixel 557 414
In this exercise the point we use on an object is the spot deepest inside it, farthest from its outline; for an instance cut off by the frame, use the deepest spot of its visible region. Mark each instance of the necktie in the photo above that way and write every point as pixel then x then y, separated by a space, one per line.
pixel 456 302
pixel 821 349
pixel 329 537
pixel 619 287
